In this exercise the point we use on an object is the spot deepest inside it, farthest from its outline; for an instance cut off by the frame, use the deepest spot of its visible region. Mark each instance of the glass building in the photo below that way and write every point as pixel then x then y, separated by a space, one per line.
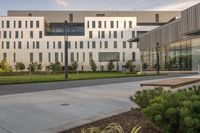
pixel 177 43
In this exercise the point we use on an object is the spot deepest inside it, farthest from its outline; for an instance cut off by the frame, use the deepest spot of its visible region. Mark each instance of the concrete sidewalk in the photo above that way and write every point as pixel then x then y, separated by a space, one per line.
pixel 55 110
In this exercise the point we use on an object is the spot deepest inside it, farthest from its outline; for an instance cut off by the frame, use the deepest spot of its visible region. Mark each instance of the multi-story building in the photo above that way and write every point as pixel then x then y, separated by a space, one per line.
pixel 177 44
pixel 39 36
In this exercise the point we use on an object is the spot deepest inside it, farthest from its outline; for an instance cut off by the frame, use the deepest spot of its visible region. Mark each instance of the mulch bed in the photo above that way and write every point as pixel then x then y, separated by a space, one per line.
pixel 127 121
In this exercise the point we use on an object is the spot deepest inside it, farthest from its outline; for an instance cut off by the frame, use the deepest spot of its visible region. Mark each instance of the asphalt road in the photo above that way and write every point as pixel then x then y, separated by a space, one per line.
pixel 34 87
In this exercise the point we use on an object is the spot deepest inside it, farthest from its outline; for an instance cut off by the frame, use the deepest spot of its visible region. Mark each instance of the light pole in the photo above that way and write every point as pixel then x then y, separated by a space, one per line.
pixel 157 57
pixel 66 48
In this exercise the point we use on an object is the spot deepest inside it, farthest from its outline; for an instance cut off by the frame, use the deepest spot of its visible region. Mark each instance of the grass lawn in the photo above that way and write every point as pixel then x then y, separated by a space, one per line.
pixel 60 77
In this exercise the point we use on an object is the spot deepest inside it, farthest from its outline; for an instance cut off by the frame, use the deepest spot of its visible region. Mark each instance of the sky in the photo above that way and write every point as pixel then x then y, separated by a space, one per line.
pixel 95 5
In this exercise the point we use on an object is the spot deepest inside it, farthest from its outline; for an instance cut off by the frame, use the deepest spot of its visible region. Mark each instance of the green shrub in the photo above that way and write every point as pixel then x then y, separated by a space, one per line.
pixel 173 112
pixel 55 67
pixel 111 128
pixel 74 66
pixel 110 66
pixel 5 67
pixel 93 65
pixel 34 67
pixel 19 66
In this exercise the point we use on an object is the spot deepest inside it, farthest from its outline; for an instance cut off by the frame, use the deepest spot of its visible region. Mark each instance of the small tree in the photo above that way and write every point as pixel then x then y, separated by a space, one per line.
pixel 129 65
pixel 110 66
pixel 19 66
pixel 5 67
pixel 145 66
pixel 93 65
pixel 55 67
pixel 34 67
pixel 74 66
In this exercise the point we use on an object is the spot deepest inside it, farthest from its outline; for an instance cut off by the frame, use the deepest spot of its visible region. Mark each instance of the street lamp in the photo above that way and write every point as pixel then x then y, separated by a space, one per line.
pixel 157 57
pixel 66 48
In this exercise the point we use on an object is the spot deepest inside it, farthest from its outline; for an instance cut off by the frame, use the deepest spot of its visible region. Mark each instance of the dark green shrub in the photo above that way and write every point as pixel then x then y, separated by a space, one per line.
pixel 173 112
pixel 55 67
pixel 110 66
pixel 19 66
pixel 34 67
pixel 74 66
pixel 93 65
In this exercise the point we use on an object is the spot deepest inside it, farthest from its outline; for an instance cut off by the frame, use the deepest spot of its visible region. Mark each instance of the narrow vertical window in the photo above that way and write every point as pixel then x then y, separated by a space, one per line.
pixel 49 54
pixel 90 34
pixel 93 24
pixel 37 24
pixel 70 17
pixel 133 56
pixel 115 44
pixel 40 57
pixel 83 56
pixel 14 57
pixel 31 57
pixel 157 17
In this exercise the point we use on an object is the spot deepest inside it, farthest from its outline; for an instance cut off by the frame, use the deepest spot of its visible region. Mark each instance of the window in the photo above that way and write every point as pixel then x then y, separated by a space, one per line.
pixel 133 33
pixel 56 57
pixel 37 24
pixel 2 24
pixel 40 34
pixel 33 45
pixel 31 57
pixel 19 24
pixel 124 44
pixel 59 45
pixel 54 44
pixel 88 24
pixel 47 44
pixel 7 45
pixel 133 56
pixel 49 57
pixel 115 34
pixel 40 57
pixel 88 44
pixel 16 34
pixel 90 34
pixel 157 17
pixel 123 56
pixel 30 14
pixel 90 56
pixel 111 24
pixel 130 24
pixel 62 57
pixel 27 45
pixel 70 17
pixel 72 57
pixel 105 24
pixel 93 24
pixel 77 57
pixel 5 56
pixel 26 24
pixel 81 44
pixel 106 44
pixel 102 34
pixel 10 35
pixel 37 45
pixel 14 45
pixel 100 14
pixel 93 44
pixel 22 35
pixel 14 24
pixel 2 45
pixel 115 44
pixel 19 45
pixel 83 56
pixel 130 45
pixel 31 34
pixel 4 34
pixel 31 24
pixel 109 34
pixel 122 34
pixel 7 24
pixel 117 24
pixel 69 44
pixel 99 24
pixel 14 57
pixel 76 44
pixel 99 34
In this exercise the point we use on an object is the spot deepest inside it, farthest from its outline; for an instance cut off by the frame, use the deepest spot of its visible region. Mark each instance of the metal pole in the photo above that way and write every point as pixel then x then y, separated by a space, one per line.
pixel 66 48
pixel 158 63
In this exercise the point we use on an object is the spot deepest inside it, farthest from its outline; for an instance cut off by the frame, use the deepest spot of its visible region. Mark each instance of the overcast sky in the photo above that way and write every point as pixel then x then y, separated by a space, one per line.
pixel 94 5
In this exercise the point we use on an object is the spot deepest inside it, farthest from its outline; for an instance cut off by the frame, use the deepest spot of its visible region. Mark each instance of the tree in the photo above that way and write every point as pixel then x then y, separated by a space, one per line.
pixel 19 66
pixel 55 67
pixel 145 66
pixel 129 65
pixel 5 67
pixel 34 67
pixel 93 65
pixel 74 66
pixel 110 66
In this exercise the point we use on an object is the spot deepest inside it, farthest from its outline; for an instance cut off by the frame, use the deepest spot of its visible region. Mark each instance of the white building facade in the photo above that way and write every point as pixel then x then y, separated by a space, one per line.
pixel 30 39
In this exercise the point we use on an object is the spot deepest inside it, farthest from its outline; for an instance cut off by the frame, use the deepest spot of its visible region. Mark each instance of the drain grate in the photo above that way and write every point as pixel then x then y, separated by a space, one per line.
pixel 64 104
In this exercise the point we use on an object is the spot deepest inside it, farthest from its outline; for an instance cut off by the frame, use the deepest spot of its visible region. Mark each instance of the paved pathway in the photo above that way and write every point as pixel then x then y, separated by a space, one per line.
pixel 55 110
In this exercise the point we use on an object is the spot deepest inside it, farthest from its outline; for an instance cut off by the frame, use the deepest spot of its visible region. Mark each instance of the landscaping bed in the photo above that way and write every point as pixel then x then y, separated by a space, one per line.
pixel 127 121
